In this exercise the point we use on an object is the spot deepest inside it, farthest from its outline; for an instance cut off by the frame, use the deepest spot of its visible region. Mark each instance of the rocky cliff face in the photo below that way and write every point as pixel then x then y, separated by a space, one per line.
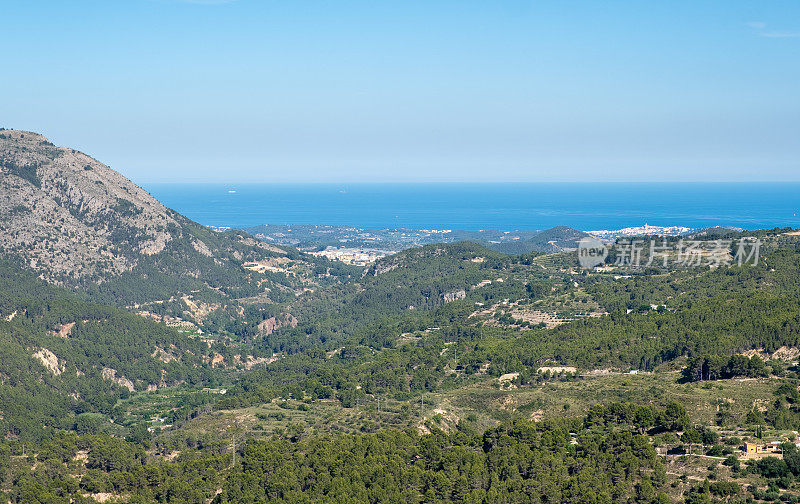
pixel 76 222
pixel 69 215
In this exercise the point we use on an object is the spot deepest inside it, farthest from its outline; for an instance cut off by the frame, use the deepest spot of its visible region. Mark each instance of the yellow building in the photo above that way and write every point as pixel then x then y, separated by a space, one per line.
pixel 752 448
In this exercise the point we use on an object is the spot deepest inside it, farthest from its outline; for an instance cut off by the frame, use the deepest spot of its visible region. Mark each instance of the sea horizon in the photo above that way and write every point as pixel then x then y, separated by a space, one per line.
pixel 502 206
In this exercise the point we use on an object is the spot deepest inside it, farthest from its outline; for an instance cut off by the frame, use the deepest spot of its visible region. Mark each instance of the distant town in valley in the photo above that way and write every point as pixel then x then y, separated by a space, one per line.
pixel 361 246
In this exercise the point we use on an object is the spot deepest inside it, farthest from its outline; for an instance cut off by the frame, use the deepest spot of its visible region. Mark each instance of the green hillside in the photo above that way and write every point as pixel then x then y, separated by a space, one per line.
pixel 61 356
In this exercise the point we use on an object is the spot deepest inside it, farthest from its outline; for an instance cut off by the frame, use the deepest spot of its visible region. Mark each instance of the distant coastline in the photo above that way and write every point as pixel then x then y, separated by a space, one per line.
pixel 507 207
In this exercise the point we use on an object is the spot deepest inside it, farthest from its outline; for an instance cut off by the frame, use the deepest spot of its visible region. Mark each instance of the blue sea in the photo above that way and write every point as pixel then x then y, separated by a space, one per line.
pixel 503 207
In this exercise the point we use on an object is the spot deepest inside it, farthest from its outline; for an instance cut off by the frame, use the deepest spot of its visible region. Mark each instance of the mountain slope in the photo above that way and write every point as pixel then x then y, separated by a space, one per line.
pixel 76 222
pixel 61 356
pixel 71 216
pixel 410 286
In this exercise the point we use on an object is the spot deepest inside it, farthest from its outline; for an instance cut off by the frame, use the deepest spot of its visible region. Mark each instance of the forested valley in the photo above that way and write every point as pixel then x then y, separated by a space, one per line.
pixel 421 379
pixel 146 358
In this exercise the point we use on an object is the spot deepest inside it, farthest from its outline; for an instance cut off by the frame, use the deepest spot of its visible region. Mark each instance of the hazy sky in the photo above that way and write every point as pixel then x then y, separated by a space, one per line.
pixel 313 90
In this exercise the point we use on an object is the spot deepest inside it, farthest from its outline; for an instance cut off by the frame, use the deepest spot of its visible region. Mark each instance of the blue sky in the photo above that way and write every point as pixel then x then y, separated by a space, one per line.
pixel 302 90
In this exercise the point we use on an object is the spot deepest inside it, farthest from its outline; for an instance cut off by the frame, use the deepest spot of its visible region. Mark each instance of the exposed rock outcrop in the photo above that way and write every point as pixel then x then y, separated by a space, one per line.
pixel 272 324
pixel 50 361
pixel 111 375
pixel 70 215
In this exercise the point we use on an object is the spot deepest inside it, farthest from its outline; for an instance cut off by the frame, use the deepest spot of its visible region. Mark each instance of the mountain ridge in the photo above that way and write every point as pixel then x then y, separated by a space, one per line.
pixel 76 222
pixel 56 199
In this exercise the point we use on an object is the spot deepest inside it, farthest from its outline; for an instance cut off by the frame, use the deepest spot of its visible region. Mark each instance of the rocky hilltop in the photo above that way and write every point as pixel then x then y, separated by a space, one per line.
pixel 69 215
pixel 76 222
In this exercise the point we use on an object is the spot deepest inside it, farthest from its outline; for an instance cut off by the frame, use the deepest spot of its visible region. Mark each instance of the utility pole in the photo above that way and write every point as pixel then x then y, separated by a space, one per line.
pixel 233 439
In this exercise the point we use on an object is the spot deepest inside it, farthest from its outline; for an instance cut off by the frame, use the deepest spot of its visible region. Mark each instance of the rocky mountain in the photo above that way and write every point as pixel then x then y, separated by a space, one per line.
pixel 76 222
pixel 71 216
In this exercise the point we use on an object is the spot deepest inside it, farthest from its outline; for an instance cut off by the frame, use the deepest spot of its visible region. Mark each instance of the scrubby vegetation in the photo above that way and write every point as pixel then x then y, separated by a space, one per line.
pixel 184 365
pixel 62 356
